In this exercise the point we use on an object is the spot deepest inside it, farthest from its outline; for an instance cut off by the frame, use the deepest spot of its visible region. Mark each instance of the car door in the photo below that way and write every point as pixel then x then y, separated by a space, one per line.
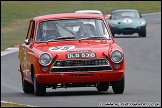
pixel 27 50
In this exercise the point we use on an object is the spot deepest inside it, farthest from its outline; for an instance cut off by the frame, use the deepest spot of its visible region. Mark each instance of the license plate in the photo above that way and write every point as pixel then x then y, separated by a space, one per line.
pixel 81 55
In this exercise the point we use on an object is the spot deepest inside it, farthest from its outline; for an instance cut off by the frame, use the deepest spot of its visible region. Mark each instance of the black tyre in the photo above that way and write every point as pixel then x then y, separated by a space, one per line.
pixel 142 33
pixel 102 86
pixel 27 87
pixel 39 89
pixel 118 86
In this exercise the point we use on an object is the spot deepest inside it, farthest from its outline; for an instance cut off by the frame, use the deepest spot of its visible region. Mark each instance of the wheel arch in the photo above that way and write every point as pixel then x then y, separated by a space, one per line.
pixel 32 72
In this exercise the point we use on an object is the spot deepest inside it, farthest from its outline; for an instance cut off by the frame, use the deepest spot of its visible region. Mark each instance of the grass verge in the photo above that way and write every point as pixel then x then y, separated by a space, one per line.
pixel 6 104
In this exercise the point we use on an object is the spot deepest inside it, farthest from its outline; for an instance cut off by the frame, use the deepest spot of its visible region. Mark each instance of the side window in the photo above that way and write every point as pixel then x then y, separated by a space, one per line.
pixel 30 32
pixel 40 31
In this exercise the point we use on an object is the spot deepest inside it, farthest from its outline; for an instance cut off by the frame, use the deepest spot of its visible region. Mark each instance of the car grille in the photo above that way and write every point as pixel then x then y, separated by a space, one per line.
pixel 81 65
pixel 128 29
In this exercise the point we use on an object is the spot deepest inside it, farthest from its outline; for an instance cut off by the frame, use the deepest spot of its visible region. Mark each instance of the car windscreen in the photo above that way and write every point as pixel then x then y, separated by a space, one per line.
pixel 123 14
pixel 71 29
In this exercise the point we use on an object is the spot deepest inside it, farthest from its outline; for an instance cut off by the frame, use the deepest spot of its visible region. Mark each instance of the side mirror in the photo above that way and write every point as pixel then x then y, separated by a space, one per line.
pixel 140 16
pixel 110 17
pixel 27 42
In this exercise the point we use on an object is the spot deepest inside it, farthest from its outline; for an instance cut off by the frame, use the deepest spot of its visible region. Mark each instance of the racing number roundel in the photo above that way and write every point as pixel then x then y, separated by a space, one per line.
pixel 61 48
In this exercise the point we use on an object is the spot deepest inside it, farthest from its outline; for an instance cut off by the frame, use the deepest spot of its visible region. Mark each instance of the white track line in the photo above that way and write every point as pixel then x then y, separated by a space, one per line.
pixel 10 50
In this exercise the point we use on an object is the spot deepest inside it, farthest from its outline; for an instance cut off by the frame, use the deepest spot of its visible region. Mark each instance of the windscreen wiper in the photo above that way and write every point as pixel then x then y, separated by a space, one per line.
pixel 60 38
pixel 96 37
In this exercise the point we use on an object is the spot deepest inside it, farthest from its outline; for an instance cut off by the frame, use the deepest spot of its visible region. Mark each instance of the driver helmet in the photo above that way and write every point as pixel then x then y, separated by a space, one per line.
pixel 49 28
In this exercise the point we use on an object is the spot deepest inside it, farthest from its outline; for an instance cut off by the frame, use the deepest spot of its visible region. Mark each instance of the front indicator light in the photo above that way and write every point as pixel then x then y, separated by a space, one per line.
pixel 116 66
pixel 44 69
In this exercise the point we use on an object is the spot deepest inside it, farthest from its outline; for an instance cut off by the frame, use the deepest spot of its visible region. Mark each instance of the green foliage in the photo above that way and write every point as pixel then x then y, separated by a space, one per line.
pixel 15 15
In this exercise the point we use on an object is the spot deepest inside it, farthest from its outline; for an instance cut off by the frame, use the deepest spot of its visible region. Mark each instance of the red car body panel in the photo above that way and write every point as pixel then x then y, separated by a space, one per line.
pixel 78 77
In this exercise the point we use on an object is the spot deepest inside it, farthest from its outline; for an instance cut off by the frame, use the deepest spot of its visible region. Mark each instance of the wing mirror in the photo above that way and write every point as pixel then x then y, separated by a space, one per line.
pixel 140 16
pixel 27 42
pixel 110 17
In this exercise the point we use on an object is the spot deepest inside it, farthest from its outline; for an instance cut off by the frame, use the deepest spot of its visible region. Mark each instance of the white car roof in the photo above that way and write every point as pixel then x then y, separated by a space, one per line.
pixel 89 11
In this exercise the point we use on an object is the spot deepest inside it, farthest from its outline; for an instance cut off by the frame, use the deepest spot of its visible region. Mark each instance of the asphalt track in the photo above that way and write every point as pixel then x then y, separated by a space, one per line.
pixel 142 77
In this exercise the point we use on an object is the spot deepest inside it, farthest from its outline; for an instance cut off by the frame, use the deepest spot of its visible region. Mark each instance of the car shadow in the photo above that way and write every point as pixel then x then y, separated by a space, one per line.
pixel 78 93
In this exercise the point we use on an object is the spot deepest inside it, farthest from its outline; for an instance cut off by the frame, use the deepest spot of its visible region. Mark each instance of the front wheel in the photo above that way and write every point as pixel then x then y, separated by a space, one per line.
pixel 142 33
pixel 39 89
pixel 118 86
pixel 27 87
pixel 102 86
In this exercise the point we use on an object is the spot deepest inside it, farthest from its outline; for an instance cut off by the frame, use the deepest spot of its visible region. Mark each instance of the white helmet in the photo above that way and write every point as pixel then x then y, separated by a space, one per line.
pixel 49 26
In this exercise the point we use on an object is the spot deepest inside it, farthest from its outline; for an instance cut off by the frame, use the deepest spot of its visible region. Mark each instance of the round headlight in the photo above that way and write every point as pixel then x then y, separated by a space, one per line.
pixel 45 59
pixel 116 56
pixel 142 23
pixel 113 24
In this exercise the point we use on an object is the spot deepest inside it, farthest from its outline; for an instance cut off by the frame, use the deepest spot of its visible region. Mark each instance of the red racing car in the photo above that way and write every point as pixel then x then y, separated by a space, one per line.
pixel 70 50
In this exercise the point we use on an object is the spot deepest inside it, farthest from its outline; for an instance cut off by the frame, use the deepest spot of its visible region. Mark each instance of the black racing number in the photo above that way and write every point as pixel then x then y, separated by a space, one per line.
pixel 81 55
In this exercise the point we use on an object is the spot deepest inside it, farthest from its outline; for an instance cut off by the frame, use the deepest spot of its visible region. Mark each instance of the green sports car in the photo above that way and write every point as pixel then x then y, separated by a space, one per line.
pixel 126 22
